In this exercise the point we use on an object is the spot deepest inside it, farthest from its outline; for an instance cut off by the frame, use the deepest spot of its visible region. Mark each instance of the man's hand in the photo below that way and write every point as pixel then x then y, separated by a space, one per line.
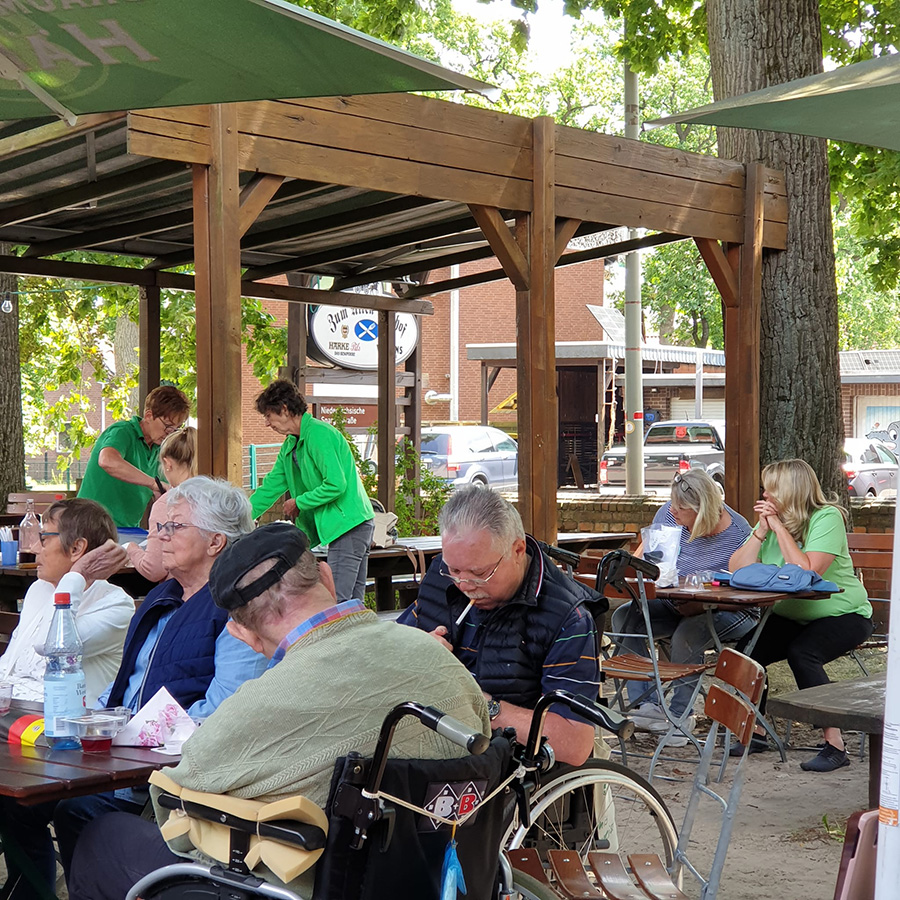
pixel 438 635
pixel 101 562
pixel 290 509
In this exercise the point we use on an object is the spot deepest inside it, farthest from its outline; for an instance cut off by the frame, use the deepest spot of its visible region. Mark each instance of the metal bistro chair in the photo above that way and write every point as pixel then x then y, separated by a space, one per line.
pixel 646 876
pixel 620 574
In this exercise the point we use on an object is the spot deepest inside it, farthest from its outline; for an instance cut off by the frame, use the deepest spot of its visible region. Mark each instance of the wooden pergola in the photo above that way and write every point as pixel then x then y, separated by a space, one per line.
pixel 380 188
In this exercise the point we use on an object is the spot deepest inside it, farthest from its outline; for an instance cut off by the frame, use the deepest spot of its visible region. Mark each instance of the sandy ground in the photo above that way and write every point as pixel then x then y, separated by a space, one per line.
pixel 789 830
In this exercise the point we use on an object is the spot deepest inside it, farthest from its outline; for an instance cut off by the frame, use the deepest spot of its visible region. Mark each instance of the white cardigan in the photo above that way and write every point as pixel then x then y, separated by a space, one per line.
pixel 102 613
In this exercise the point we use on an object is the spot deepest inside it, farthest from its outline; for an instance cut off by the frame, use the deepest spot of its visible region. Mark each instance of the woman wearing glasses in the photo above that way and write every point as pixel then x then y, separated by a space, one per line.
pixel 77 552
pixel 710 532
pixel 177 463
pixel 799 525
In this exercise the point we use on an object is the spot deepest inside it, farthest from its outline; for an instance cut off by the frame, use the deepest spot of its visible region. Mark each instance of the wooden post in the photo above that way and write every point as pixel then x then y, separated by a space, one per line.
pixel 387 408
pixel 412 416
pixel 148 341
pixel 742 347
pixel 296 345
pixel 538 418
pixel 218 299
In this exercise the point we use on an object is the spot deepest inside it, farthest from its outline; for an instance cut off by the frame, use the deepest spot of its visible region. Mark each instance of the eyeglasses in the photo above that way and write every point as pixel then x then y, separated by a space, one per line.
pixel 43 535
pixel 167 529
pixel 477 581
pixel 685 486
pixel 171 427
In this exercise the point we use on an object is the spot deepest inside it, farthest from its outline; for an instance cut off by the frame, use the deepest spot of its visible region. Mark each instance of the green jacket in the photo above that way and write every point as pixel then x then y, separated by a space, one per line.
pixel 321 477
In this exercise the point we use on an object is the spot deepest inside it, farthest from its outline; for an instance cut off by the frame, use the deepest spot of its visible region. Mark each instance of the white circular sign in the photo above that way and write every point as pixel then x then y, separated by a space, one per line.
pixel 629 427
pixel 349 337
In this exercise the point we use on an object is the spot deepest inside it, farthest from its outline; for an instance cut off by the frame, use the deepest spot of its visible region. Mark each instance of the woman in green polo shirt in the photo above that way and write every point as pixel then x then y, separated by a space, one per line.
pixel 798 525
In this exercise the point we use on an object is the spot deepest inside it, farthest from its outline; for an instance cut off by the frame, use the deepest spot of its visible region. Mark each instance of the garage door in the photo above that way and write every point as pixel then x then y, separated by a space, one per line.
pixel 684 409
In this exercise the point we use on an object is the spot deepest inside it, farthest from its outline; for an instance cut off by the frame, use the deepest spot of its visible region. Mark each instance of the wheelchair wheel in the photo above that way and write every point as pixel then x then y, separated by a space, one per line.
pixel 527 888
pixel 598 806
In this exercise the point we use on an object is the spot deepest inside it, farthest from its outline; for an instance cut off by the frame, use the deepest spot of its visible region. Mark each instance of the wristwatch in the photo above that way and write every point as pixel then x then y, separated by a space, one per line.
pixel 493 708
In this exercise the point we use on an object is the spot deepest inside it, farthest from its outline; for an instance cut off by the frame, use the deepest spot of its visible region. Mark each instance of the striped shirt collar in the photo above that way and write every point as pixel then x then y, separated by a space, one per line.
pixel 332 614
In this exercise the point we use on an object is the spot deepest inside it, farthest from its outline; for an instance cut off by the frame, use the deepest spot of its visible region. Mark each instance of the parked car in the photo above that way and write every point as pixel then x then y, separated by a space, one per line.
pixel 472 454
pixel 870 467
pixel 672 447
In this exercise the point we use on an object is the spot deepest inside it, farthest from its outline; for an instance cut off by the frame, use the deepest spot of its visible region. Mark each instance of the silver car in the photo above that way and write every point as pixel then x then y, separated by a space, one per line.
pixel 870 467
pixel 472 454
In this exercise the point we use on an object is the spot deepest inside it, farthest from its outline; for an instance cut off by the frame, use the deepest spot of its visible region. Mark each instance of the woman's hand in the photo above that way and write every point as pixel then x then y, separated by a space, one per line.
pixel 768 517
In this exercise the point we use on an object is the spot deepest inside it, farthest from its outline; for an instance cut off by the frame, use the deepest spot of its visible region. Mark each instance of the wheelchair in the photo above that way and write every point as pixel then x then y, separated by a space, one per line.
pixel 389 821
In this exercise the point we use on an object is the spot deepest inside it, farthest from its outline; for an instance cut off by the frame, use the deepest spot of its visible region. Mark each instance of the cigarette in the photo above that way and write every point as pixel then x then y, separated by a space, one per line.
pixel 465 612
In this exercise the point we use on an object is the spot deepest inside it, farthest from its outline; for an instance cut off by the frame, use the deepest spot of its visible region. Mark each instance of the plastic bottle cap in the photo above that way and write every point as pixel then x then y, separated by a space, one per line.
pixel 62 599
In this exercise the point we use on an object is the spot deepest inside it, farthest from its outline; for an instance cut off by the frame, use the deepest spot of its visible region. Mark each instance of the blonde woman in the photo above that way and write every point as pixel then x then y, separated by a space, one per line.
pixel 177 463
pixel 710 533
pixel 798 525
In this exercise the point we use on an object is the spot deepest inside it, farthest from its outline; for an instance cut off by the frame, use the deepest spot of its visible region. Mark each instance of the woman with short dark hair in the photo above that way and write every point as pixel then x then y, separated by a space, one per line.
pixel 71 530
pixel 328 501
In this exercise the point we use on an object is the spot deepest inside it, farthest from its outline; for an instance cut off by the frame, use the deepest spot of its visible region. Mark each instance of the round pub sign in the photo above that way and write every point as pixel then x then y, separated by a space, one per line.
pixel 349 337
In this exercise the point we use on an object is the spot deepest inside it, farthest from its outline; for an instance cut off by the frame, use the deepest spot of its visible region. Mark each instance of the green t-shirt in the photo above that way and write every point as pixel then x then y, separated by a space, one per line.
pixel 824 534
pixel 126 502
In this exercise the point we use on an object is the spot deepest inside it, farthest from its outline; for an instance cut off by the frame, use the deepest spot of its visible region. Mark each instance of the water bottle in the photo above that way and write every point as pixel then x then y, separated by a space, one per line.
pixel 29 531
pixel 64 690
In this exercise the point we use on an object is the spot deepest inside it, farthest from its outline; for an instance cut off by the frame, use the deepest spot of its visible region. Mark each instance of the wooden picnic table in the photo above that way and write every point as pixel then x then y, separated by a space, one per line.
pixel 38 774
pixel 855 705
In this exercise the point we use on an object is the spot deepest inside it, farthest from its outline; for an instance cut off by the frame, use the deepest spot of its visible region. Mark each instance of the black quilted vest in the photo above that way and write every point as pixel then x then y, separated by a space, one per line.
pixel 513 639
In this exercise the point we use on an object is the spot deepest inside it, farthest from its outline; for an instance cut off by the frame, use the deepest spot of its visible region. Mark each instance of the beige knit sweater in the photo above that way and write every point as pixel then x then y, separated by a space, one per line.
pixel 281 733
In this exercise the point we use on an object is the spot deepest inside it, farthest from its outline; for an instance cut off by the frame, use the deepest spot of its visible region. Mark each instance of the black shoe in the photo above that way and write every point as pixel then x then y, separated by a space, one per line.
pixel 828 759
pixel 759 743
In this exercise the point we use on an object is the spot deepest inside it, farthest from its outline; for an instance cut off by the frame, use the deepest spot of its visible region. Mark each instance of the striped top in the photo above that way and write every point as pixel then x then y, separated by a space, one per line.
pixel 711 552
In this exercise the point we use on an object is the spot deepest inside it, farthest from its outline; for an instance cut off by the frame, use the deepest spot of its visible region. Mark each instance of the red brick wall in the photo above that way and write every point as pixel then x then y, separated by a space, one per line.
pixel 849 393
pixel 488 315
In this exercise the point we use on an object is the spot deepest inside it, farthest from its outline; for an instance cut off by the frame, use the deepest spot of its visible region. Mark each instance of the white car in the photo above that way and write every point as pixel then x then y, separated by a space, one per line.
pixel 472 454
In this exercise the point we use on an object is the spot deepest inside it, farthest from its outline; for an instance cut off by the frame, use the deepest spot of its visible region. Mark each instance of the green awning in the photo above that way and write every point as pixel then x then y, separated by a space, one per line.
pixel 859 103
pixel 87 56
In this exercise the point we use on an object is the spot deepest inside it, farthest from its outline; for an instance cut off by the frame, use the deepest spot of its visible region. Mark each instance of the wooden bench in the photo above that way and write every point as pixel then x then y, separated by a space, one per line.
pixel 873 560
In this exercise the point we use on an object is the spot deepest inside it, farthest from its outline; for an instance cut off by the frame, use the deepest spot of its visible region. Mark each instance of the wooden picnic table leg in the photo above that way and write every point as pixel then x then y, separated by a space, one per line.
pixel 384 593
pixel 874 771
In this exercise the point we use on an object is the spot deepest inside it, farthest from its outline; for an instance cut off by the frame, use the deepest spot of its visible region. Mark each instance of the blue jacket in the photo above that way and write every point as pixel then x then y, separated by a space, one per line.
pixel 184 660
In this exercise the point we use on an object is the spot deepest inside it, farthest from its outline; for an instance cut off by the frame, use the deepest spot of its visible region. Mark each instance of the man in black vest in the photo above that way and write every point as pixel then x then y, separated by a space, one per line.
pixel 517 623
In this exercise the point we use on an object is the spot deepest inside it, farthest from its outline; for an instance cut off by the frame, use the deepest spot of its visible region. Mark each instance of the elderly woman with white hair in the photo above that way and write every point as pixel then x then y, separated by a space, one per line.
pixel 710 533
pixel 176 640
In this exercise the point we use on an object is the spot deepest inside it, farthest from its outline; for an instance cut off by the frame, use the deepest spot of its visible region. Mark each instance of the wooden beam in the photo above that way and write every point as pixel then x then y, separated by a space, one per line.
pixel 538 418
pixel 725 278
pixel 742 349
pixel 373 245
pixel 54 268
pixel 565 231
pixel 148 341
pixel 504 245
pixel 387 409
pixel 93 190
pixel 255 196
pixel 218 298
pixel 55 131
pixel 567 259
pixel 100 236
pixel 297 336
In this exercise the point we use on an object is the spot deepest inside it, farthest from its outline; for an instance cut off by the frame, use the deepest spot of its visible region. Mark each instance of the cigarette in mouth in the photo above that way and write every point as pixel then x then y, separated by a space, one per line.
pixel 465 612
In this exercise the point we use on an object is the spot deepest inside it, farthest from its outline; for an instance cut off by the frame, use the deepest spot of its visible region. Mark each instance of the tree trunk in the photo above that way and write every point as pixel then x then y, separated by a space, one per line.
pixel 12 448
pixel 754 44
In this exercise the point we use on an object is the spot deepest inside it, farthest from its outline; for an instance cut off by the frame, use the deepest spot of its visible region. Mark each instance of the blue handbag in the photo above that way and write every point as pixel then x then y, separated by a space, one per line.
pixel 788 579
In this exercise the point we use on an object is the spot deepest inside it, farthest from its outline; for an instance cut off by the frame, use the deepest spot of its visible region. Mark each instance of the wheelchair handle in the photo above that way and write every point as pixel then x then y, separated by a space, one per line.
pixel 566 557
pixel 593 712
pixel 452 729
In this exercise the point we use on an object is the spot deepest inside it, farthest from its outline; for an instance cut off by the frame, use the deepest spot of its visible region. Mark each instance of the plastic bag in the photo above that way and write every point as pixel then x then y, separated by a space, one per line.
pixel 662 544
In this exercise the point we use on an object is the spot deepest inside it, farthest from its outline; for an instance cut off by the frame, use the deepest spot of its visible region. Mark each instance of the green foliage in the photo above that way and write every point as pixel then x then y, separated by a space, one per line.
pixel 416 515
pixel 67 336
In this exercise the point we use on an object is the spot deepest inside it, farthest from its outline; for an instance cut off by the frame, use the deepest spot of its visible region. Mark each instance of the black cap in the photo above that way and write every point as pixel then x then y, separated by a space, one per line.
pixel 280 541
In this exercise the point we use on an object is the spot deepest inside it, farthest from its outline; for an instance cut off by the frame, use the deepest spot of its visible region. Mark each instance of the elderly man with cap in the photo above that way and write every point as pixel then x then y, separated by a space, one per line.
pixel 336 671
pixel 516 622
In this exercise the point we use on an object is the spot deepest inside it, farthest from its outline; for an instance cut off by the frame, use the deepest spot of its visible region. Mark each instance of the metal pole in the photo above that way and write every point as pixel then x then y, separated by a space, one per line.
pixel 698 387
pixel 634 389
